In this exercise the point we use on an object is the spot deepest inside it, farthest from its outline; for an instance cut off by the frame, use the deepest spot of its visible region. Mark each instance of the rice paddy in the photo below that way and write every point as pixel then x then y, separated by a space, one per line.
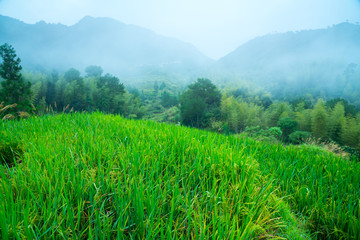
pixel 95 176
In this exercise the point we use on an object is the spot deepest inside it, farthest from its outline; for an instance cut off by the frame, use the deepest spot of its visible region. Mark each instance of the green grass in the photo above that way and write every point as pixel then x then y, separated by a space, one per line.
pixel 99 176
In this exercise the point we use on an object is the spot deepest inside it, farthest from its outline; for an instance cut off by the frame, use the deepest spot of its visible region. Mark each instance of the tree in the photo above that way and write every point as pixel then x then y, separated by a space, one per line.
pixel 50 92
pixel 350 133
pixel 238 115
pixel 277 111
pixel 336 121
pixel 200 103
pixel 303 118
pixel 110 94
pixel 75 92
pixel 162 86
pixel 348 108
pixel 72 75
pixel 14 88
pixel 299 137
pixel 287 126
pixel 168 100
pixel 156 86
pixel 94 71
pixel 319 120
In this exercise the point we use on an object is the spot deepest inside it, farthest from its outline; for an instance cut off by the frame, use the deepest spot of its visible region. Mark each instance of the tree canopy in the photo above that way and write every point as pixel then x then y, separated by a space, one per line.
pixel 200 103
pixel 14 88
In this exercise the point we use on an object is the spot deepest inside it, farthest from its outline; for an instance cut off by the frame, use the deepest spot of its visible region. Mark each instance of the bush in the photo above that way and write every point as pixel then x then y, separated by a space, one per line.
pixel 270 135
pixel 274 132
pixel 287 126
pixel 253 131
pixel 354 153
pixel 299 137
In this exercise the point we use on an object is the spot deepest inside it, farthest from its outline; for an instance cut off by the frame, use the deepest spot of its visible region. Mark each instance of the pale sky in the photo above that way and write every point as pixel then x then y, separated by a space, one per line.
pixel 215 27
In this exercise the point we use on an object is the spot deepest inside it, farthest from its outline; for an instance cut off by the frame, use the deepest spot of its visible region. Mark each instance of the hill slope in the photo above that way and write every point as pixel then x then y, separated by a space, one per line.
pixel 296 63
pixel 335 45
pixel 97 176
pixel 119 48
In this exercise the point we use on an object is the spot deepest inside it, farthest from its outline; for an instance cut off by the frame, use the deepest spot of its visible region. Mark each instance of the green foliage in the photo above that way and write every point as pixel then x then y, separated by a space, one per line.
pixel 303 119
pixel 274 132
pixel 14 88
pixel 350 135
pixel 306 103
pixel 287 125
pixel 348 108
pixel 168 100
pixel 239 115
pixel 200 103
pixel 171 115
pixel 75 93
pixel 336 122
pixel 89 176
pixel 156 86
pixel 72 75
pixel 319 120
pixel 103 177
pixel 9 153
pixel 109 95
pixel 71 92
pixel 277 111
pixel 354 152
pixel 162 86
pixel 299 137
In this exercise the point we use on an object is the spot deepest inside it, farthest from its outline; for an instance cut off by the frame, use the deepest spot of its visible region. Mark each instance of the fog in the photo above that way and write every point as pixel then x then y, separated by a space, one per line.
pixel 214 27
pixel 289 48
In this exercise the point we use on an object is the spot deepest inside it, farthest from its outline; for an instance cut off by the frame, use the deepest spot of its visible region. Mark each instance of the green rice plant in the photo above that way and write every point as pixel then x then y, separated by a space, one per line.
pixel 321 186
pixel 95 176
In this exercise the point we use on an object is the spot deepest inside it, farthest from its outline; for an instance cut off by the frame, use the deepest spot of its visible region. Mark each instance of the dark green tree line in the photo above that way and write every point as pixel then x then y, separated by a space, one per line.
pixel 14 88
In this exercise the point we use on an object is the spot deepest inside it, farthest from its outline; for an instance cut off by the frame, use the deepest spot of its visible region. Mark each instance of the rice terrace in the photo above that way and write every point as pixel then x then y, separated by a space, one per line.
pixel 100 176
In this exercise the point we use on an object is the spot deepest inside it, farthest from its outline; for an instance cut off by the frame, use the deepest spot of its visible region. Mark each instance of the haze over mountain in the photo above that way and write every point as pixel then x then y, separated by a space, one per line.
pixel 338 44
pixel 281 63
pixel 322 62
pixel 118 48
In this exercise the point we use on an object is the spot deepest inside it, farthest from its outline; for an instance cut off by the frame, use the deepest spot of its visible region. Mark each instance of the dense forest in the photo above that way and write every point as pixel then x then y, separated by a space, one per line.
pixel 201 105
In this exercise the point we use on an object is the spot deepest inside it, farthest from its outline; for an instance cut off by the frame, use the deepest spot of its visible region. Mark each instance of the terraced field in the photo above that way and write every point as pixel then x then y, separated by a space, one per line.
pixel 100 176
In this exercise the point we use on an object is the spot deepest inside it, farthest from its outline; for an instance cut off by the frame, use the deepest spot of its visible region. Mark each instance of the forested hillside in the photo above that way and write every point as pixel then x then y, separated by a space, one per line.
pixel 119 48
pixel 323 63
pixel 334 121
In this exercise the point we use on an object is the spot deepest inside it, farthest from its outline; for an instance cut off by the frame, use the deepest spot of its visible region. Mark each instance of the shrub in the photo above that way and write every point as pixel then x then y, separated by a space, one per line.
pixel 270 135
pixel 299 137
pixel 274 132
pixel 287 126
pixel 354 153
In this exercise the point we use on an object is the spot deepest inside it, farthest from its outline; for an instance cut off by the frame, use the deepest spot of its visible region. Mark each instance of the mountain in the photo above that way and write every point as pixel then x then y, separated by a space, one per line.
pixel 338 44
pixel 117 47
pixel 319 62
pixel 298 61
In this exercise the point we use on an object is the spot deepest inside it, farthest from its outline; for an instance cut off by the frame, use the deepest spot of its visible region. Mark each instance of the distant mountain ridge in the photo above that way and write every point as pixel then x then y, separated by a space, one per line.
pixel 323 63
pixel 339 44
pixel 126 50
pixel 115 46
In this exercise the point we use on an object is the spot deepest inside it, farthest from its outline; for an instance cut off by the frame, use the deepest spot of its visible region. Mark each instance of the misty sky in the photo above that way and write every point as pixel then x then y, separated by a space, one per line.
pixel 215 27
